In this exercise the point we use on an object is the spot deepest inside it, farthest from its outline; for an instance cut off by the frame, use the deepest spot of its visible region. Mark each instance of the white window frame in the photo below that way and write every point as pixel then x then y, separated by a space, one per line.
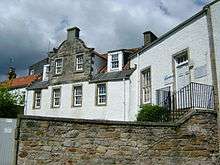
pixel 75 95
pixel 114 61
pixel 100 95
pixel 54 97
pixel 146 86
pixel 58 68
pixel 37 99
pixel 79 62
pixel 31 71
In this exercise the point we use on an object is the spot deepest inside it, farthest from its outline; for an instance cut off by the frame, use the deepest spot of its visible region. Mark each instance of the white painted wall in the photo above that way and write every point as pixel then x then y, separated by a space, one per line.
pixel 194 37
pixel 114 110
pixel 120 58
pixel 215 15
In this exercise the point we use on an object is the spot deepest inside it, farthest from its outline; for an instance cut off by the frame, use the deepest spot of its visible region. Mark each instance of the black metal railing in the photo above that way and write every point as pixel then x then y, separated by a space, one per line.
pixel 192 96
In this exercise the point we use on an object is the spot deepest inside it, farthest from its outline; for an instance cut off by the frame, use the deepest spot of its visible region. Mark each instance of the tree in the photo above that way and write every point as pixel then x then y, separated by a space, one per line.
pixel 8 104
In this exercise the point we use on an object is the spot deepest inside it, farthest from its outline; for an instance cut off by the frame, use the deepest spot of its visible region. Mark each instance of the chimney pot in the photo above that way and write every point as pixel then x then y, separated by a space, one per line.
pixel 149 37
pixel 72 33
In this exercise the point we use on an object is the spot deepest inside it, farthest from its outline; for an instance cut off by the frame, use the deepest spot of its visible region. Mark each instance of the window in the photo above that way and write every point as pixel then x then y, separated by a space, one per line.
pixel 182 58
pixel 115 62
pixel 46 72
pixel 56 97
pixel 31 71
pixel 79 62
pixel 77 96
pixel 58 66
pixel 37 99
pixel 101 94
pixel 146 86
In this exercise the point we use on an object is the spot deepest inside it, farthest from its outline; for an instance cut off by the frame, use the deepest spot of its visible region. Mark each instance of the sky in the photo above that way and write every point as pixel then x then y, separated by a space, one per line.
pixel 30 28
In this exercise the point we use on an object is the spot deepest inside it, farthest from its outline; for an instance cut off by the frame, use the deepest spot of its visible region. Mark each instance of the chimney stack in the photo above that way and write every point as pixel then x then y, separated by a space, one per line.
pixel 72 33
pixel 11 73
pixel 149 37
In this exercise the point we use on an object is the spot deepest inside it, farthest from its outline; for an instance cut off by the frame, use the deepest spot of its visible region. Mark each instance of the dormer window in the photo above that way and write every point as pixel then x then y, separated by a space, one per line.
pixel 31 71
pixel 46 72
pixel 58 66
pixel 79 62
pixel 115 61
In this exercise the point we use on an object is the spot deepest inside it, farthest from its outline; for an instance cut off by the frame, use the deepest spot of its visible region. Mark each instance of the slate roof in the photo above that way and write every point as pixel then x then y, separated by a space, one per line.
pixel 38 85
pixel 20 82
pixel 112 76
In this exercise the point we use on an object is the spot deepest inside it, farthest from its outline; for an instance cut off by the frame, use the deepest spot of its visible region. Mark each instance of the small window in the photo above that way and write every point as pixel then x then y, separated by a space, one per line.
pixel 101 94
pixel 146 86
pixel 79 62
pixel 37 99
pixel 31 71
pixel 77 96
pixel 115 62
pixel 56 97
pixel 58 66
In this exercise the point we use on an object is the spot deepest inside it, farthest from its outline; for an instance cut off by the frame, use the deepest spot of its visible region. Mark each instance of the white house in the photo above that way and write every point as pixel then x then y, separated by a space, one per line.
pixel 81 83
pixel 185 58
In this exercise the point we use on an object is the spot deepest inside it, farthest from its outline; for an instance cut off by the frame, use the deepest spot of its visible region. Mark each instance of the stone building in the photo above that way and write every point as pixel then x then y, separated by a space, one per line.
pixel 181 66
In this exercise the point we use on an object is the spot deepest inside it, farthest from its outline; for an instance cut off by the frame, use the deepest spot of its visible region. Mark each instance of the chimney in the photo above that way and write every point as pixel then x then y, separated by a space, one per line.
pixel 149 37
pixel 72 33
pixel 11 73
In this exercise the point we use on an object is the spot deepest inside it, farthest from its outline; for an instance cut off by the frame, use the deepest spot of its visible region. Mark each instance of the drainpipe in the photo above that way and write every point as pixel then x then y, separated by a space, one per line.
pixel 213 68
pixel 138 70
pixel 124 100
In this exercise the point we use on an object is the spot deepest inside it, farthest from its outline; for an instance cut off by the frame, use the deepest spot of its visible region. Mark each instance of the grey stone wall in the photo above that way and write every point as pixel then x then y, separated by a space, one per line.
pixel 193 140
pixel 68 50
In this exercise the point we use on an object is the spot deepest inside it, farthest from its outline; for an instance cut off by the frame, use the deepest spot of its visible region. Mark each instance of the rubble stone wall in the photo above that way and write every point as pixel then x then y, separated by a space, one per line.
pixel 54 141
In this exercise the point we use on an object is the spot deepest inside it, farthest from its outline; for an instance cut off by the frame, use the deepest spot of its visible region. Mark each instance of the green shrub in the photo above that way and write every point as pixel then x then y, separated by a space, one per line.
pixel 153 113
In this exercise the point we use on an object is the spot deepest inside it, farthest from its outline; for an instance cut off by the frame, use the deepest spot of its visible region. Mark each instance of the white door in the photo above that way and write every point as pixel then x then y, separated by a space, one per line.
pixel 182 76
pixel 182 82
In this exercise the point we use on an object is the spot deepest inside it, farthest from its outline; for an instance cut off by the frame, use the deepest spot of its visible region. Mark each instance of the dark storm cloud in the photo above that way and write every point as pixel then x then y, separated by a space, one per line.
pixel 28 28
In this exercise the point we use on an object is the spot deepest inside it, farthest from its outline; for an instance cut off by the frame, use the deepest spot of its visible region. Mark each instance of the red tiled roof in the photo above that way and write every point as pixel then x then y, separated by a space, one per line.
pixel 20 81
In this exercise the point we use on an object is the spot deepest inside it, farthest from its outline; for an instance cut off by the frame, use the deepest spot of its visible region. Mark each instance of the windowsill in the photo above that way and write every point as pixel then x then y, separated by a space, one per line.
pixel 78 71
pixel 37 108
pixel 115 69
pixel 146 103
pixel 76 106
pixel 55 107
pixel 56 75
pixel 100 105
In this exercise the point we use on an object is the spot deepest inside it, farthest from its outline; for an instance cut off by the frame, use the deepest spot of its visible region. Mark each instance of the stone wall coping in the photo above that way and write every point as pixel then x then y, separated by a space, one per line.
pixel 126 123
pixel 194 112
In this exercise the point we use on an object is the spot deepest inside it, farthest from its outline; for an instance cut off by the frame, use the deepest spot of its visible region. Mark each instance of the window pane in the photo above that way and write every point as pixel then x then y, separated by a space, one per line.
pixel 77 95
pixel 102 98
pixel 79 62
pixel 37 99
pixel 56 97
pixel 59 66
pixel 146 86
pixel 115 62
